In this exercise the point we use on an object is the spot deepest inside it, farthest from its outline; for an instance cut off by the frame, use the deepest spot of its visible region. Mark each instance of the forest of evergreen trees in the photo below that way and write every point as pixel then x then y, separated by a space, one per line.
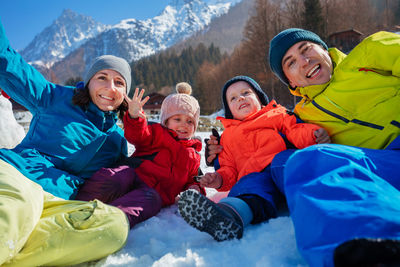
pixel 207 70
pixel 167 68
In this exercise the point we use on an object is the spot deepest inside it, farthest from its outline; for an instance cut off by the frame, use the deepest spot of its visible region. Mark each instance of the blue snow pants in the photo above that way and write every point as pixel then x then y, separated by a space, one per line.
pixel 259 191
pixel 336 193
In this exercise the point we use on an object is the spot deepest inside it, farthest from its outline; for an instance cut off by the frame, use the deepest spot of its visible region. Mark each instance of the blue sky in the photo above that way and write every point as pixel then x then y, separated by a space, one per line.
pixel 23 19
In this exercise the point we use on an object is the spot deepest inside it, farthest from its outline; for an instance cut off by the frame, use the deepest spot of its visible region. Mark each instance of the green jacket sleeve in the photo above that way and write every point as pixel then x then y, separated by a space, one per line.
pixel 380 52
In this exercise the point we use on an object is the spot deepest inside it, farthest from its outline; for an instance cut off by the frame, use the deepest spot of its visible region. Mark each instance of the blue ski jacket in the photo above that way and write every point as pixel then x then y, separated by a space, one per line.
pixel 65 144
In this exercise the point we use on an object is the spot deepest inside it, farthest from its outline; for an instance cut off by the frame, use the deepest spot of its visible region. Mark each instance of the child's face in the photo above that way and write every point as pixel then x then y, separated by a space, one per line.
pixel 242 100
pixel 182 124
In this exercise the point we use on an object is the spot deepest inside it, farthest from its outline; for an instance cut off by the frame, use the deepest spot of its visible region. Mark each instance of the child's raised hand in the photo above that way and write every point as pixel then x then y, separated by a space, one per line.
pixel 136 104
pixel 322 136
pixel 211 179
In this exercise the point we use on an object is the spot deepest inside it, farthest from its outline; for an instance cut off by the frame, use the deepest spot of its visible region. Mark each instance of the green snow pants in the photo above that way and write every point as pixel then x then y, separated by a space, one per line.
pixel 39 229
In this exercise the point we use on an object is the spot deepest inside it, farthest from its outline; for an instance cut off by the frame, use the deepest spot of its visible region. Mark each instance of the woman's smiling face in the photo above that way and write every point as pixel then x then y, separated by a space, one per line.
pixel 107 89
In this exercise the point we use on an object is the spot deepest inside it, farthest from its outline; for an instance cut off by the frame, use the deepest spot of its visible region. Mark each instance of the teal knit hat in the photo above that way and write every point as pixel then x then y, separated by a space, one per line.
pixel 254 85
pixel 282 42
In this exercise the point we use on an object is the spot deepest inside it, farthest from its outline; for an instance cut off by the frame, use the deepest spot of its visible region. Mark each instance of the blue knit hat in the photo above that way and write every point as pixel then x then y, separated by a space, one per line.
pixel 110 62
pixel 257 89
pixel 282 42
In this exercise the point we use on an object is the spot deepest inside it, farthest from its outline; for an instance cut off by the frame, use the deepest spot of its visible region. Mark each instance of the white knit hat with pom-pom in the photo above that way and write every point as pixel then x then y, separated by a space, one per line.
pixel 180 103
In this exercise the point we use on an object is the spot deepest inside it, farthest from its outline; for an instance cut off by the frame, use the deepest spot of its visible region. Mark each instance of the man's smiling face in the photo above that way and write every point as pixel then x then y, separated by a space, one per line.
pixel 307 63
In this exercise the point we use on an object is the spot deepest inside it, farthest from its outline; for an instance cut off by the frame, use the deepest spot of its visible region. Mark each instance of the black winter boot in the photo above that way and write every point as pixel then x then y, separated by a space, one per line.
pixel 368 252
pixel 220 221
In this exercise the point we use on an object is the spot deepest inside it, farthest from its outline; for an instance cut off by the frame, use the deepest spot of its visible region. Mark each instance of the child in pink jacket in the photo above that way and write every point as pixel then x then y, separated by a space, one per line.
pixel 164 163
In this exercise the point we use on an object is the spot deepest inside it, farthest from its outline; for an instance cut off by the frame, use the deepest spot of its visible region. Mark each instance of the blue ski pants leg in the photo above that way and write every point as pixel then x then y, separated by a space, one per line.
pixel 337 193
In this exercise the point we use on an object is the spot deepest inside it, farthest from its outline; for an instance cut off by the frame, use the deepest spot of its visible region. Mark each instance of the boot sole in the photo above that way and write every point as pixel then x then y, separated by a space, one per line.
pixel 203 214
pixel 368 252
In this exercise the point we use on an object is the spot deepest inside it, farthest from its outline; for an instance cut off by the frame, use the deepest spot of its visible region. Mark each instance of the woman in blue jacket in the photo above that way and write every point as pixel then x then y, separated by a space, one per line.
pixel 73 133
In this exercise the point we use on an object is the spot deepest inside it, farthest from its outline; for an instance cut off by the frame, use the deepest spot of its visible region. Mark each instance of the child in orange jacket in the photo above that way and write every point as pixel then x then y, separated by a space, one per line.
pixel 255 131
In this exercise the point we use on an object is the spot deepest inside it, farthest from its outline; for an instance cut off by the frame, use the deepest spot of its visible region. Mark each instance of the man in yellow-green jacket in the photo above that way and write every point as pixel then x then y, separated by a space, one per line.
pixel 344 198
pixel 359 102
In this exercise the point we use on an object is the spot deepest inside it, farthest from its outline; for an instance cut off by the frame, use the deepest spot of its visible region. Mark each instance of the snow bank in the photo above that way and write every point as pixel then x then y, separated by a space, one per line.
pixel 11 133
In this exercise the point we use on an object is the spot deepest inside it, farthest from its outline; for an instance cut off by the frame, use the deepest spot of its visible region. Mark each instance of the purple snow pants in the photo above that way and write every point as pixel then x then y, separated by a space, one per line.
pixel 121 187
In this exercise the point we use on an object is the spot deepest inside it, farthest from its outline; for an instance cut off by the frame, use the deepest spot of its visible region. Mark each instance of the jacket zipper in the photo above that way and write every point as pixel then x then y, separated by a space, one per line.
pixel 363 123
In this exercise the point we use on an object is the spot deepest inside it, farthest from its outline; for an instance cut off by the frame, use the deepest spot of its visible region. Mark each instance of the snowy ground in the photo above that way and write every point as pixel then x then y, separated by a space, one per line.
pixel 166 239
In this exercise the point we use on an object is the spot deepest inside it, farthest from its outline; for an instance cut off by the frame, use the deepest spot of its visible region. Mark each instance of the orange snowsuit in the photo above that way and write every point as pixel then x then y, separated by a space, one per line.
pixel 251 144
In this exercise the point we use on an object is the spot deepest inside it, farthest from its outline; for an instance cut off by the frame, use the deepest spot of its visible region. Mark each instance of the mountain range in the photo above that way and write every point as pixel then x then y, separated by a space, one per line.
pixel 65 48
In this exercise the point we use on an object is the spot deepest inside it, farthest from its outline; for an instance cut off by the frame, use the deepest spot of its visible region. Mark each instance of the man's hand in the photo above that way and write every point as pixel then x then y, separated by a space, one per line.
pixel 213 148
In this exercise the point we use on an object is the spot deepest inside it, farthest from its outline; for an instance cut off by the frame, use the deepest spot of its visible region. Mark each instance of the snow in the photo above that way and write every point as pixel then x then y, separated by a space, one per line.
pixel 167 240
pixel 11 133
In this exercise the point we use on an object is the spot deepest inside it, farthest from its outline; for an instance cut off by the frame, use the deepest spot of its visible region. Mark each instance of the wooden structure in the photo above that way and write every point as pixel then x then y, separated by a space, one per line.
pixel 345 41
pixel 153 106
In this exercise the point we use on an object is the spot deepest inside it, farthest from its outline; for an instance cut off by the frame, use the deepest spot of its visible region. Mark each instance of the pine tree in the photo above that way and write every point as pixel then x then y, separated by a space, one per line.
pixel 312 17
pixel 397 14
pixel 167 68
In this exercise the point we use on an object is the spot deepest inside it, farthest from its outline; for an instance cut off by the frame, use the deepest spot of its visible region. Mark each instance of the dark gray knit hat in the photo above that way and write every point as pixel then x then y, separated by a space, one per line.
pixel 110 62
pixel 282 42
pixel 257 89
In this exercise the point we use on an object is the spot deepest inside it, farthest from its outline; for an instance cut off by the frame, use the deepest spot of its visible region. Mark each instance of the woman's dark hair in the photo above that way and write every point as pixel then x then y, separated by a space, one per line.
pixel 82 99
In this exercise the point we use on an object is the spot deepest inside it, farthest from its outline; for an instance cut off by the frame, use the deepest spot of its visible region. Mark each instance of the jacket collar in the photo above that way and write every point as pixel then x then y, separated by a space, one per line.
pixel 310 92
pixel 103 120
pixel 232 122
pixel 192 142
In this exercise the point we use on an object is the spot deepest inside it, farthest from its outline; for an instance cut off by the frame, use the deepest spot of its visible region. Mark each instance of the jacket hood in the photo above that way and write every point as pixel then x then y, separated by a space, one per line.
pixel 310 92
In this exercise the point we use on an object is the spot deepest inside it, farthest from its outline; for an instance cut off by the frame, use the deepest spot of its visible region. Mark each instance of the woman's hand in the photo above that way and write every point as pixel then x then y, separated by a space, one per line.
pixel 136 104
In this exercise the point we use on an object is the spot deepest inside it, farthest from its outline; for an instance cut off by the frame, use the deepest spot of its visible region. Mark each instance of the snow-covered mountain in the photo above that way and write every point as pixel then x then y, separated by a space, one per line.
pixel 73 41
pixel 133 39
pixel 64 35
pixel 225 31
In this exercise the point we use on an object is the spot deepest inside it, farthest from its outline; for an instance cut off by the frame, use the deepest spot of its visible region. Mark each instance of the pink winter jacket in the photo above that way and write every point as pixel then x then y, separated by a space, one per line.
pixel 176 161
